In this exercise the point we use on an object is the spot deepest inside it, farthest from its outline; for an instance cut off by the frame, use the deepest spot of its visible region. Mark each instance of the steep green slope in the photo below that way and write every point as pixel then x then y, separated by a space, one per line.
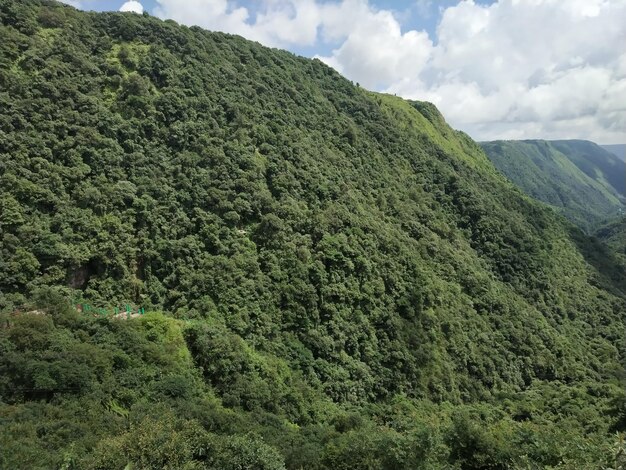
pixel 581 180
pixel 347 282
pixel 596 162
pixel 614 235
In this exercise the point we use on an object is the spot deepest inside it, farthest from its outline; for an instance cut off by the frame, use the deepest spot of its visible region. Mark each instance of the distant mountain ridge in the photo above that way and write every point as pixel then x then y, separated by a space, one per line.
pixel 618 150
pixel 595 162
pixel 580 179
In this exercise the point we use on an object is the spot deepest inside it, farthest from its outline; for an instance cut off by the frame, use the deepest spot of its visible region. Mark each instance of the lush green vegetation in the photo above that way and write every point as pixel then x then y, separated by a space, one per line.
pixel 614 235
pixel 596 162
pixel 344 281
pixel 584 182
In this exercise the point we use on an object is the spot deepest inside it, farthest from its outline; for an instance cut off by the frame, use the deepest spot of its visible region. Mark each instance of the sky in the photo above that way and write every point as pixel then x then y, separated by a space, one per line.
pixel 497 69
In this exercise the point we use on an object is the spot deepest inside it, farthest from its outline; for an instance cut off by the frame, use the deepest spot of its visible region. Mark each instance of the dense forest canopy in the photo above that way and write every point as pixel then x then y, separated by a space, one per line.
pixel 334 278
pixel 581 180
pixel 614 235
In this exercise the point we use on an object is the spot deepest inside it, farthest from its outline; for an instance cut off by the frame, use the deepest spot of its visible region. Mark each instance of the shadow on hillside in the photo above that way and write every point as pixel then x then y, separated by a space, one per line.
pixel 611 271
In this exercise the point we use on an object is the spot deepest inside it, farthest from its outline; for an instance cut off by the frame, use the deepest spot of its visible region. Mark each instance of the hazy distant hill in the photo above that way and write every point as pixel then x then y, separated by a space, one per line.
pixel 334 278
pixel 580 179
pixel 617 149
pixel 596 162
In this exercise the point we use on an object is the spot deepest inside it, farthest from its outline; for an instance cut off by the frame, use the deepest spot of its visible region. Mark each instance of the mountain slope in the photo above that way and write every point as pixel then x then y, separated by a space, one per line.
pixel 614 235
pixel 619 150
pixel 595 162
pixel 582 181
pixel 347 282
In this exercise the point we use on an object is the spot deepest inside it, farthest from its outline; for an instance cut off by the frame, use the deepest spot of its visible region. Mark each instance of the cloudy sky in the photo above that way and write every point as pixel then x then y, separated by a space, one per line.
pixel 497 69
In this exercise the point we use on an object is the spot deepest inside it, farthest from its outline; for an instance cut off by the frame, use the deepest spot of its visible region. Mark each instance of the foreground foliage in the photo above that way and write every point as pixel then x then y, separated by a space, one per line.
pixel 614 235
pixel 84 392
pixel 349 283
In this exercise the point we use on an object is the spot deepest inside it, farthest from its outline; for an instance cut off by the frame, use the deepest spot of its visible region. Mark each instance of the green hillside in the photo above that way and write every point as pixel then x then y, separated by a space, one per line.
pixel 614 235
pixel 596 162
pixel 334 278
pixel 612 239
pixel 580 179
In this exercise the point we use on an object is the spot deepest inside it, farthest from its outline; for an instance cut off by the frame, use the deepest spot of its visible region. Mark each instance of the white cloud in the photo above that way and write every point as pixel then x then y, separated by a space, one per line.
pixel 290 22
pixel 374 50
pixel 279 22
pixel 132 6
pixel 532 68
pixel 211 14
pixel 74 3
pixel 523 68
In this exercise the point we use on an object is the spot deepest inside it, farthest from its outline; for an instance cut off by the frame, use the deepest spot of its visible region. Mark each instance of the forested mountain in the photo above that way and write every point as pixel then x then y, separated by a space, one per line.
pixel 584 182
pixel 619 150
pixel 595 162
pixel 614 235
pixel 334 278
